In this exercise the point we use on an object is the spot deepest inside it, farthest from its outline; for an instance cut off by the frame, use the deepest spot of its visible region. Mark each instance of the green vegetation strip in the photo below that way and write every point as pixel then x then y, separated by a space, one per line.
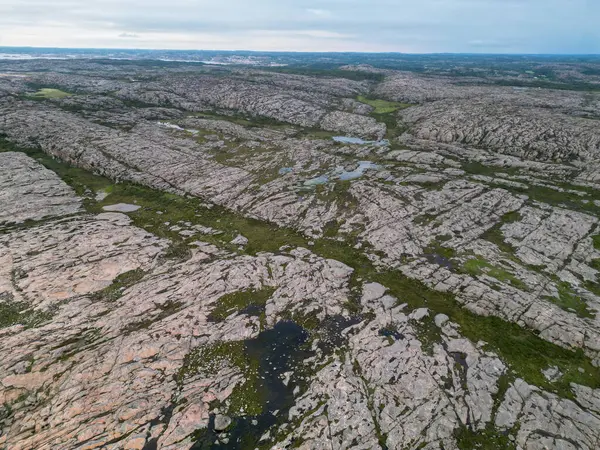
pixel 523 350
pixel 382 106
pixel 384 112
pixel 47 93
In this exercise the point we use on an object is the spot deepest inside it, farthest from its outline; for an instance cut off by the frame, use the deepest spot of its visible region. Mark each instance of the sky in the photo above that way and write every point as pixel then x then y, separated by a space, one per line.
pixel 415 26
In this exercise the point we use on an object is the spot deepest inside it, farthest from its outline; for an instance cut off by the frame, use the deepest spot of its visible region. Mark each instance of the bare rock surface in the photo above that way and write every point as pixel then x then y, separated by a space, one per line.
pixel 397 210
pixel 530 133
pixel 28 191
pixel 93 252
pixel 233 277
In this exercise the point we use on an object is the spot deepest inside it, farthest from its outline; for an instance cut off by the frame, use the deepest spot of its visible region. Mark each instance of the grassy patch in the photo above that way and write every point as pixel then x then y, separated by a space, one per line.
pixel 250 302
pixel 557 198
pixel 596 241
pixel 476 168
pixel 487 439
pixel 208 360
pixel 424 219
pixel 17 313
pixel 384 112
pixel 382 106
pixel 570 301
pixel 331 229
pixel 478 266
pixel 47 93
pixel 429 185
pixel 554 197
pixel 119 284
pixel 177 209
pixel 248 120
pixel 248 398
pixel 595 264
pixel 428 333
pixel 435 248
pixel 316 133
pixel 309 321
pixel 594 288
pixel 494 234
pixel 338 192
pixel 268 123
pixel 393 128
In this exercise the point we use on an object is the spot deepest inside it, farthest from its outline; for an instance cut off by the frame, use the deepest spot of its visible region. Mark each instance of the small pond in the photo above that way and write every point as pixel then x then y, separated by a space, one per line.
pixel 359 141
pixel 121 207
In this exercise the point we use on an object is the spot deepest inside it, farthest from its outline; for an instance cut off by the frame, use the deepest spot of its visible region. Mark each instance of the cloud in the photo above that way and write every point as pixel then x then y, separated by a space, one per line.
pixel 324 34
pixel 319 12
pixel 527 26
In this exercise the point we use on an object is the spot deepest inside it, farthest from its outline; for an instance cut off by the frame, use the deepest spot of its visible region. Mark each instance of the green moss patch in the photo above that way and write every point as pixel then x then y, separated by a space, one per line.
pixel 338 192
pixel 570 301
pixel 166 309
pixel 478 266
pixel 435 247
pixel 17 313
pixel 208 360
pixel 494 234
pixel 488 439
pixel 247 302
pixel 119 285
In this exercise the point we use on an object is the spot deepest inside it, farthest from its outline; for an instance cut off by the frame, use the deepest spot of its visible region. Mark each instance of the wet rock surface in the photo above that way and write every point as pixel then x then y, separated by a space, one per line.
pixel 234 277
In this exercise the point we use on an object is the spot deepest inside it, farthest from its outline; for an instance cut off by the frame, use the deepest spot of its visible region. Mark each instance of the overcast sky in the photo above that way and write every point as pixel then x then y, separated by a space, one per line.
pixel 498 26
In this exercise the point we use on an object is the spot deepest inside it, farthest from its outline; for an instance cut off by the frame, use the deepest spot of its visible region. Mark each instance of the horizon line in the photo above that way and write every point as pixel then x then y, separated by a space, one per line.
pixel 293 51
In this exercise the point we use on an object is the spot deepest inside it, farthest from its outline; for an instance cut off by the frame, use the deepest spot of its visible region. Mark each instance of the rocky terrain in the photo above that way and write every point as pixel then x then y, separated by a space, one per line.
pixel 198 257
